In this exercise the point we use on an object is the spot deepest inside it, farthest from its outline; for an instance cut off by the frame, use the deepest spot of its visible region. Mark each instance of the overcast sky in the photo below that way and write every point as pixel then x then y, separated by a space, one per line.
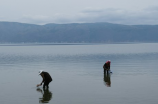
pixel 80 11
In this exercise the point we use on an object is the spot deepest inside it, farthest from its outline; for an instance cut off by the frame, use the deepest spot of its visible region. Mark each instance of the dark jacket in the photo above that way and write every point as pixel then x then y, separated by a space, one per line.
pixel 107 65
pixel 47 77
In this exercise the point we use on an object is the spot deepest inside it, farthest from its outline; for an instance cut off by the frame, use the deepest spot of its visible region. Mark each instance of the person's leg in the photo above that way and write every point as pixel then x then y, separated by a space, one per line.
pixel 107 71
pixel 104 71
pixel 46 84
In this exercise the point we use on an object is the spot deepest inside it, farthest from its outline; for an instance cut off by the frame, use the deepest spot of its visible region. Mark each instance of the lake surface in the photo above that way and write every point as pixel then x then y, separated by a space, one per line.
pixel 77 73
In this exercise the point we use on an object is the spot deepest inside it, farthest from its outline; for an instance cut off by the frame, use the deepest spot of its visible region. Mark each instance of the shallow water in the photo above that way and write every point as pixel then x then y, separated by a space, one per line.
pixel 77 73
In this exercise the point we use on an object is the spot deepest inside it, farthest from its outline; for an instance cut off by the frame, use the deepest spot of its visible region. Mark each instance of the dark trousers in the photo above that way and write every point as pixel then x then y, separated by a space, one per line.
pixel 106 69
pixel 46 84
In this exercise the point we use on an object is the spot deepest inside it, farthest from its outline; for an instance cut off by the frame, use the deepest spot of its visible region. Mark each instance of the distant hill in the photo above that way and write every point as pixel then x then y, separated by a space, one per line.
pixel 12 32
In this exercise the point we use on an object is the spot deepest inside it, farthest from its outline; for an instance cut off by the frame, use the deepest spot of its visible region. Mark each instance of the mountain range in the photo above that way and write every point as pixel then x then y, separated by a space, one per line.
pixel 13 32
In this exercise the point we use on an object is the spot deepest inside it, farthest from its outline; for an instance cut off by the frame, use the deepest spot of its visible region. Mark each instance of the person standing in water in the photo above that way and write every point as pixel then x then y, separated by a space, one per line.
pixel 106 66
pixel 46 79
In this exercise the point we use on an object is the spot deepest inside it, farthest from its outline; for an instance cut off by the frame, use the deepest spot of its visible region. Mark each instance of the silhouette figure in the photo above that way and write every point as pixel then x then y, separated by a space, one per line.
pixel 106 66
pixel 47 95
pixel 46 79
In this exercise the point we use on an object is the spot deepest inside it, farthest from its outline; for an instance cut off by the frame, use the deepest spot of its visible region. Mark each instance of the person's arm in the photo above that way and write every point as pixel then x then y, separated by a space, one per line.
pixel 104 65
pixel 42 80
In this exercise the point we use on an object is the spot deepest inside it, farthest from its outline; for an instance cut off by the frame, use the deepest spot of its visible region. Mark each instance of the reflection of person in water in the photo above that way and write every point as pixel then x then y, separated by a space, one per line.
pixel 47 95
pixel 107 79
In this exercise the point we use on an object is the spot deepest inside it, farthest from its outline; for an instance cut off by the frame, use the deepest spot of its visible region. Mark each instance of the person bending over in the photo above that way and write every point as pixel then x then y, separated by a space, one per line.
pixel 106 66
pixel 46 79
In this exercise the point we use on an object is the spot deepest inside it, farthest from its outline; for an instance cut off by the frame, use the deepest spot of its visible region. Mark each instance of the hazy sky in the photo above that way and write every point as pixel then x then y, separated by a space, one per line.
pixel 79 11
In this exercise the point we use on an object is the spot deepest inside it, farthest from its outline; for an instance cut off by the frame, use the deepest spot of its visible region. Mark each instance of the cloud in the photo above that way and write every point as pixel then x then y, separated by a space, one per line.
pixel 35 19
pixel 120 16
pixel 88 15
pixel 152 9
